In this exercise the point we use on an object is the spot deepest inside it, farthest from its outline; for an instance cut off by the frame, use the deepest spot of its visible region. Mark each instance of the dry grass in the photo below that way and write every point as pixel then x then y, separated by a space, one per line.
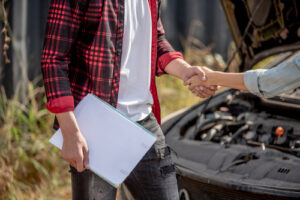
pixel 30 168
pixel 173 95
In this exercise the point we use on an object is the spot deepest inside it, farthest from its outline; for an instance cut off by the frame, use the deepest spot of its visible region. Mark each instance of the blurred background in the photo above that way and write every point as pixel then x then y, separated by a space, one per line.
pixel 30 168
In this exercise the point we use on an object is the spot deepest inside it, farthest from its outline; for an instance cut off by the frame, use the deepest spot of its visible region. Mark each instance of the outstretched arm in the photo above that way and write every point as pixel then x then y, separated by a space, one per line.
pixel 184 71
pixel 231 80
pixel 265 83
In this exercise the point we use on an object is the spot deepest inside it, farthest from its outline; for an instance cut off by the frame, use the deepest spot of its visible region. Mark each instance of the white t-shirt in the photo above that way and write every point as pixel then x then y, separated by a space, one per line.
pixel 135 99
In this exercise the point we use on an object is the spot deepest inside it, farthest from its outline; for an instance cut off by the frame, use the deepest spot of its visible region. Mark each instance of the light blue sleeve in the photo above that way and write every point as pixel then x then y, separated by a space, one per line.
pixel 271 82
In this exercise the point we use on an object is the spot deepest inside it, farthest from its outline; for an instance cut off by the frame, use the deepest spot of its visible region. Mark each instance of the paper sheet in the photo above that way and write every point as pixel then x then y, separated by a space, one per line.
pixel 116 144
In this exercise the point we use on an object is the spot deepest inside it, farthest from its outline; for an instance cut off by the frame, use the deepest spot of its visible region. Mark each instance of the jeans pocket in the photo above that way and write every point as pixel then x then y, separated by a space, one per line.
pixel 167 167
pixel 167 170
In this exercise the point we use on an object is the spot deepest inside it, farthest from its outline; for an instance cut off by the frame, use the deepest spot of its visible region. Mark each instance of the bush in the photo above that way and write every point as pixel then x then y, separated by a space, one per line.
pixel 30 167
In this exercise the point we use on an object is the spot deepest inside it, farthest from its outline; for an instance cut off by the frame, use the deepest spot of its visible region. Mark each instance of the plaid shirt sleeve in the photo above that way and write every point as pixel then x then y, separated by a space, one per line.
pixel 165 52
pixel 63 24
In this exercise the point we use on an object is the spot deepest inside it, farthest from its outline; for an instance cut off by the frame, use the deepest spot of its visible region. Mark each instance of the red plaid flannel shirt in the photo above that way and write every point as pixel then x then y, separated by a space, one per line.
pixel 82 52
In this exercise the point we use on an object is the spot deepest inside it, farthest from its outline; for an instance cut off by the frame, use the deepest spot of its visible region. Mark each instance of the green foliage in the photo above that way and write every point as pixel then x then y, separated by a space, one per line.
pixel 28 163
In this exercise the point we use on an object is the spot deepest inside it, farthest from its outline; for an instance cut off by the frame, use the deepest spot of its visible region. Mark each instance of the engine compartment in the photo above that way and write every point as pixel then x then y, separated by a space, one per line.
pixel 245 119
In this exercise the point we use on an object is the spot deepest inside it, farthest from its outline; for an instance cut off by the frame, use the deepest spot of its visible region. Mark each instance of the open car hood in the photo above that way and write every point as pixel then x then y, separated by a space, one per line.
pixel 275 27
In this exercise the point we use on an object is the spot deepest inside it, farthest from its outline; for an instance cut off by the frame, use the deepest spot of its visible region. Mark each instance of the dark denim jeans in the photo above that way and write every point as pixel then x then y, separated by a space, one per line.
pixel 153 178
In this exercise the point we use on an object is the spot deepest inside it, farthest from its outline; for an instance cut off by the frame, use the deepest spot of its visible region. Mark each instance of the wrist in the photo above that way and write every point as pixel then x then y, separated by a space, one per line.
pixel 177 67
pixel 182 75
pixel 182 68
pixel 70 133
pixel 68 124
pixel 212 77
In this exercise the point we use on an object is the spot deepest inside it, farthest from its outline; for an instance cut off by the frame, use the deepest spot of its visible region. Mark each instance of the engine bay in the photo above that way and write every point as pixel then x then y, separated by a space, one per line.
pixel 249 120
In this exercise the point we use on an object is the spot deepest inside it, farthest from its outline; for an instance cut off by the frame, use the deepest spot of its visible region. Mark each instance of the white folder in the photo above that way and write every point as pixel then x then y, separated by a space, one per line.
pixel 116 144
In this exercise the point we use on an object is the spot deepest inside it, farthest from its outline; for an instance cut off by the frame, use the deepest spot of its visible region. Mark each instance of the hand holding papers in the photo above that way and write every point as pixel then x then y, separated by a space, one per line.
pixel 116 144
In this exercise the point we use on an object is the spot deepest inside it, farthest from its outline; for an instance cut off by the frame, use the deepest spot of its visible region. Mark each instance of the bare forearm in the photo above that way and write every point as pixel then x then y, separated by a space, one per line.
pixel 231 80
pixel 67 123
pixel 177 68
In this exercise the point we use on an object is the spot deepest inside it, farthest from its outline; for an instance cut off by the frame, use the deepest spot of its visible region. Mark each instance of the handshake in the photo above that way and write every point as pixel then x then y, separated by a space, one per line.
pixel 204 82
pixel 200 81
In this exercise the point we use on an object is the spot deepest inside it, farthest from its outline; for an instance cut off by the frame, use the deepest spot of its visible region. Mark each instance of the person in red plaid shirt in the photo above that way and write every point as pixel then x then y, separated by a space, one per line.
pixel 112 49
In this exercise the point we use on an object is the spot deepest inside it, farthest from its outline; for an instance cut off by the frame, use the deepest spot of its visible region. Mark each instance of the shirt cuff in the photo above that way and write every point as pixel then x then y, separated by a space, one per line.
pixel 61 104
pixel 251 81
pixel 165 59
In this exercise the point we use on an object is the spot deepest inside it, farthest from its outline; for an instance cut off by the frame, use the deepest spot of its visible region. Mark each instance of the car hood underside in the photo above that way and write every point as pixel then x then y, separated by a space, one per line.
pixel 274 28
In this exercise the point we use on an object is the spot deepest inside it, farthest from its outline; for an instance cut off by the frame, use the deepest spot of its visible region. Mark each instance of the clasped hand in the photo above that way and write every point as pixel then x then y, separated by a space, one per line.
pixel 198 83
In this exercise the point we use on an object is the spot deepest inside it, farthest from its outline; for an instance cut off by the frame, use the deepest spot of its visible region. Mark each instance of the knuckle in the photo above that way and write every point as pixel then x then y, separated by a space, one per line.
pixel 85 148
pixel 87 151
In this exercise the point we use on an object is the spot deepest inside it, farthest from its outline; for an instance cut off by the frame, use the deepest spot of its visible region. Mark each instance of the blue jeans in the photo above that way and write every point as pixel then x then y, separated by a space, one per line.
pixel 153 178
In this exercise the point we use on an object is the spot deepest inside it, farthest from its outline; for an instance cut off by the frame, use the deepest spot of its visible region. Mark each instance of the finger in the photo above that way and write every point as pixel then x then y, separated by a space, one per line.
pixel 208 91
pixel 202 89
pixel 200 95
pixel 197 88
pixel 197 93
pixel 79 163
pixel 205 95
pixel 195 78
pixel 188 82
pixel 205 92
pixel 86 159
pixel 65 158
pixel 73 164
pixel 192 87
pixel 214 87
pixel 191 80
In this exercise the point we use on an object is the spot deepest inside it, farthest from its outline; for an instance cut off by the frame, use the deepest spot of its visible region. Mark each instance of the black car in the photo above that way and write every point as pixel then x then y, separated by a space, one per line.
pixel 241 146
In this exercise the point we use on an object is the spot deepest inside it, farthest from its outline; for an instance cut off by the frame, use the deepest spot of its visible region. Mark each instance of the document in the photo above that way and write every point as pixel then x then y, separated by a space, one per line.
pixel 116 144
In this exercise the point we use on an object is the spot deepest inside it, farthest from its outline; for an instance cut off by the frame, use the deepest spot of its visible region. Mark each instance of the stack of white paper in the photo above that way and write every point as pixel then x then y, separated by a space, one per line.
pixel 116 144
